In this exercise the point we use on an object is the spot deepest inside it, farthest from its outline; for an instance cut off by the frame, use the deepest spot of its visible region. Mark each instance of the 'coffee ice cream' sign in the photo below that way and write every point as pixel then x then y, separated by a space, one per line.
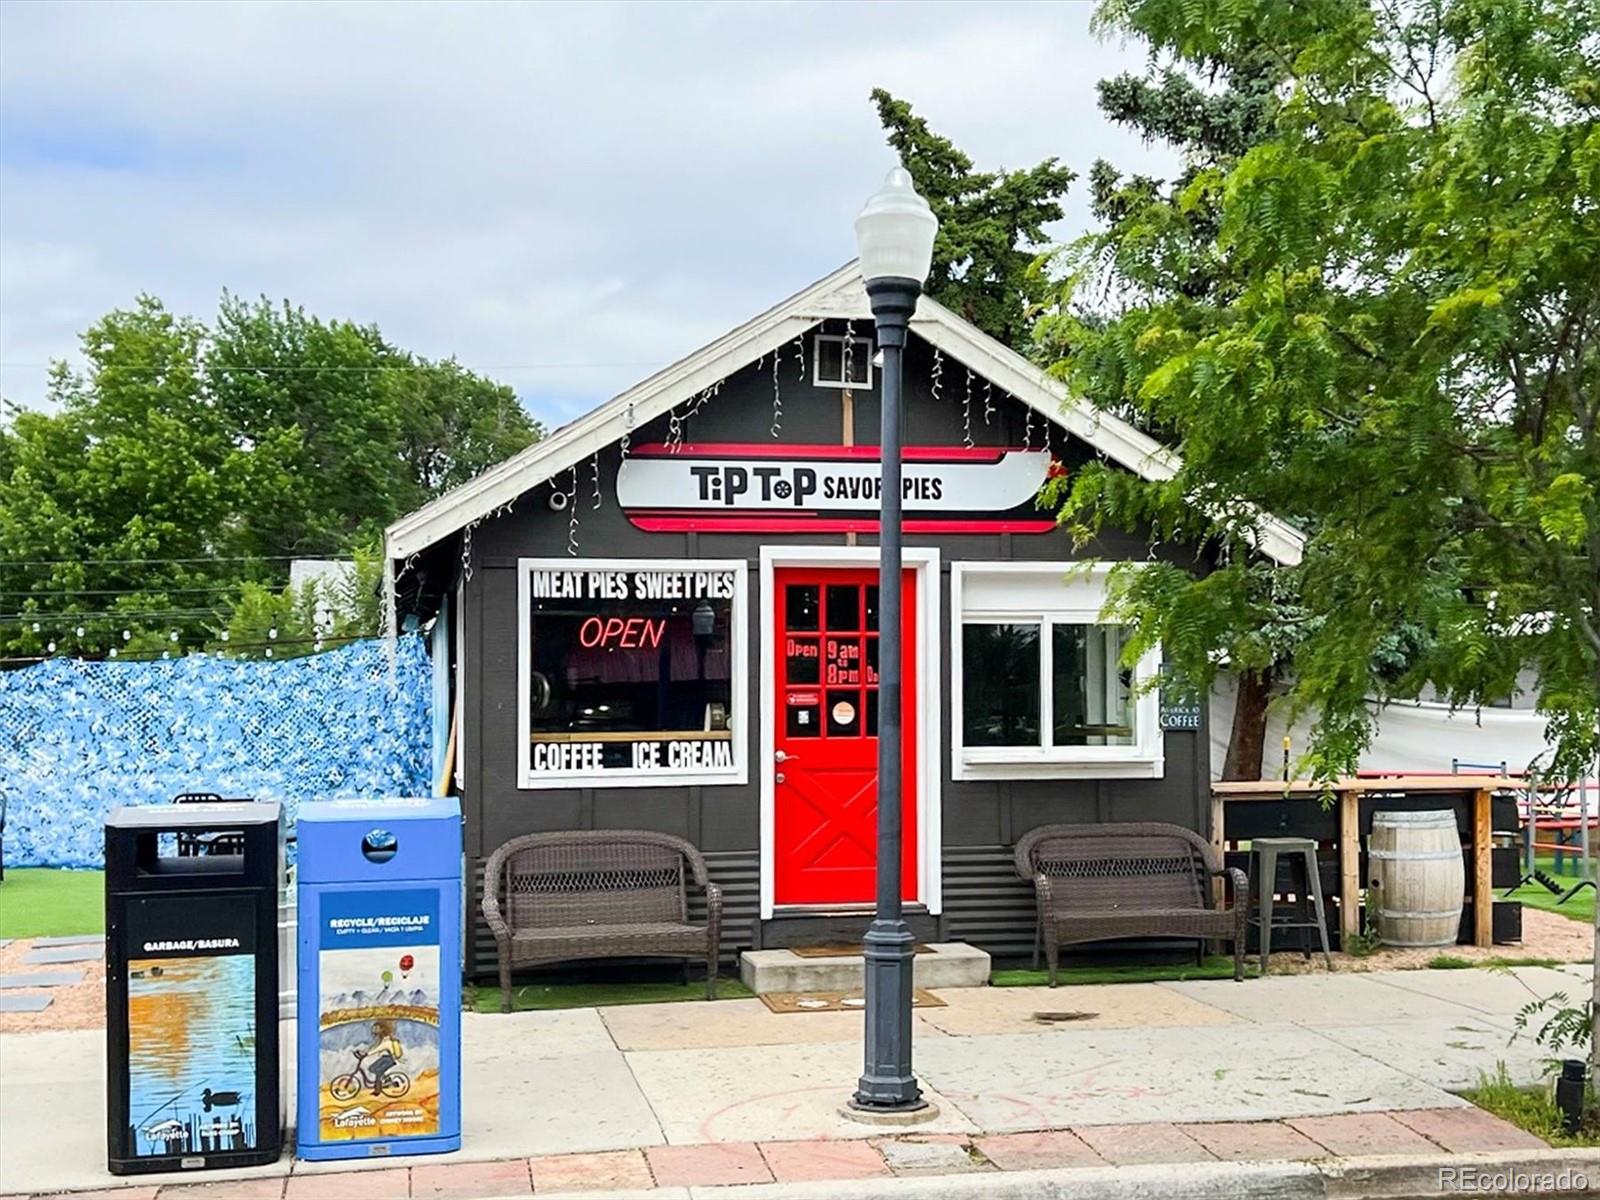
pixel 830 489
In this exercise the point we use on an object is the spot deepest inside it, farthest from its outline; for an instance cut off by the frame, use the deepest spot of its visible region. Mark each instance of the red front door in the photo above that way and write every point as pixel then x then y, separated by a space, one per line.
pixel 825 711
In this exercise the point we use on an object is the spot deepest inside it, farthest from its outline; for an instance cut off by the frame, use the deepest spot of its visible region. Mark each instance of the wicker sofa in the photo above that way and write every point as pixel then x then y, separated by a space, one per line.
pixel 1138 879
pixel 615 893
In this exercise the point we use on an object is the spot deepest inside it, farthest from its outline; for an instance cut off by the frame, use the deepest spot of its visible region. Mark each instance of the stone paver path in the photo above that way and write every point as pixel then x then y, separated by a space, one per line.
pixel 39 979
pixel 24 1002
pixel 44 956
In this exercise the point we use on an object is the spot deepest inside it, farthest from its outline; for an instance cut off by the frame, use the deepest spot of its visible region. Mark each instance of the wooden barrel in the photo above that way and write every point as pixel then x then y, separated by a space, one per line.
pixel 1420 875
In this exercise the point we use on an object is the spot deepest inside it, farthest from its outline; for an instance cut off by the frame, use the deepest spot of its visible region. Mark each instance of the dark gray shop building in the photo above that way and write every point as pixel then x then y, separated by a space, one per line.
pixel 663 616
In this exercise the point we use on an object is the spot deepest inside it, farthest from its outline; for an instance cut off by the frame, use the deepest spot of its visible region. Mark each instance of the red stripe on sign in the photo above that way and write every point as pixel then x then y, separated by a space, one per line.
pixel 803 524
pixel 990 454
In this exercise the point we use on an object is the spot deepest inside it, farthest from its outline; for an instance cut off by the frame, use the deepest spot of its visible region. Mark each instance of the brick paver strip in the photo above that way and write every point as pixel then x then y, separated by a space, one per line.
pixel 1253 1141
pixel 29 1002
pixel 388 1184
pixel 1463 1130
pixel 792 1162
pixel 1350 1134
pixel 604 1171
pixel 1037 1151
pixel 700 1166
pixel 469 1181
pixel 1155 1143
pixel 131 1193
pixel 39 979
pixel 231 1189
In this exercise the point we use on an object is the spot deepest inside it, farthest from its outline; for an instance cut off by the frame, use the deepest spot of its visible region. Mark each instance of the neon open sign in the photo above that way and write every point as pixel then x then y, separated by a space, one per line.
pixel 627 633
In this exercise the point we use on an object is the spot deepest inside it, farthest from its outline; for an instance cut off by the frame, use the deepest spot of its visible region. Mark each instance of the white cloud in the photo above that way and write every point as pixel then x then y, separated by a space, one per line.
pixel 559 195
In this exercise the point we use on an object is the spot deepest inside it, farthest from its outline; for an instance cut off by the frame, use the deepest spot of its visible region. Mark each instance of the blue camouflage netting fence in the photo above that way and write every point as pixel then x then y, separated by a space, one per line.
pixel 79 738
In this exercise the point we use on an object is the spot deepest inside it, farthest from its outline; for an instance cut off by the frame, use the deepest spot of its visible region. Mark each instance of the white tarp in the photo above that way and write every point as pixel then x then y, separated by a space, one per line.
pixel 1413 736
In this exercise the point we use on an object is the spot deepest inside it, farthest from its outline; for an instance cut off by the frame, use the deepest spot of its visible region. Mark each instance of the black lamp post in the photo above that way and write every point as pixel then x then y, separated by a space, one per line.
pixel 895 233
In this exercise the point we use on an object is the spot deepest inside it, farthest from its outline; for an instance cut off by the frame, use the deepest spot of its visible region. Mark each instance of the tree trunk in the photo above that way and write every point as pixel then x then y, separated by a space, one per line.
pixel 1248 740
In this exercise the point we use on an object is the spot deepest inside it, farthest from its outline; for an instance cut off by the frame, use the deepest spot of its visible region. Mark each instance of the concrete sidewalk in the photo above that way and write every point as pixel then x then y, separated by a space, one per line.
pixel 669 1094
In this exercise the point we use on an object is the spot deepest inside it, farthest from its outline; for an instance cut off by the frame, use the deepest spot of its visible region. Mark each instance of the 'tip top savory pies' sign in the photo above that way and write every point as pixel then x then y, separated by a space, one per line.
pixel 831 489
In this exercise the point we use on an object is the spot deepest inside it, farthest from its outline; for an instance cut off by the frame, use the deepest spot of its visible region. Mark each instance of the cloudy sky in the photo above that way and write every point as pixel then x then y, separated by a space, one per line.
pixel 565 197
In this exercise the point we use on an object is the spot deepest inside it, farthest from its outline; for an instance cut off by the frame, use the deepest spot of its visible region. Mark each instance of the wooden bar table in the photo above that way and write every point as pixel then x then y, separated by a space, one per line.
pixel 1347 795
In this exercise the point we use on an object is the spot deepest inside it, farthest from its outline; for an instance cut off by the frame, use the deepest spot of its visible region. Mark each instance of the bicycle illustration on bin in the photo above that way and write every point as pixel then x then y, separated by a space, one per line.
pixel 375 1068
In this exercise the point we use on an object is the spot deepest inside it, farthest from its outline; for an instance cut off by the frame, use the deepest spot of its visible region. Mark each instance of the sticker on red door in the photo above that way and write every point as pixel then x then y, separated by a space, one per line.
pixel 825 713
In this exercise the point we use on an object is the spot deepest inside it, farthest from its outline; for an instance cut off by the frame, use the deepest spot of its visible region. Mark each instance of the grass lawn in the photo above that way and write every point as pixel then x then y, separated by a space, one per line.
pixel 1534 1109
pixel 1534 895
pixel 42 902
pixel 535 997
pixel 1216 966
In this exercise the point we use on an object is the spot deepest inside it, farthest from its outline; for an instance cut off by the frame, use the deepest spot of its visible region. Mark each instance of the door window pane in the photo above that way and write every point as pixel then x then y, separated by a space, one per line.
pixel 801 660
pixel 844 660
pixel 844 607
pixel 803 715
pixel 844 714
pixel 800 606
pixel 1000 687
pixel 1091 689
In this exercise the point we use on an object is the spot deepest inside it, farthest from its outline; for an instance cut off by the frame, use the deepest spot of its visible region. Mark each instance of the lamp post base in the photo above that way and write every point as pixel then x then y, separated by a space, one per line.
pixel 889 1118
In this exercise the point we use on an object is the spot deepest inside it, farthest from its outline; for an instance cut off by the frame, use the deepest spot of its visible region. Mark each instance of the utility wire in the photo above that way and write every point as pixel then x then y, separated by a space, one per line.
pixel 147 562
pixel 137 655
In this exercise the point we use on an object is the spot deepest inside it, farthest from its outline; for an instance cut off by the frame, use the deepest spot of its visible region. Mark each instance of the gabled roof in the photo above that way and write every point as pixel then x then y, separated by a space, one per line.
pixel 838 295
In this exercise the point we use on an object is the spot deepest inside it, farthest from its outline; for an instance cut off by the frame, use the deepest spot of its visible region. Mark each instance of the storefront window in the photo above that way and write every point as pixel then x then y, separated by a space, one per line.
pixel 631 673
pixel 1040 680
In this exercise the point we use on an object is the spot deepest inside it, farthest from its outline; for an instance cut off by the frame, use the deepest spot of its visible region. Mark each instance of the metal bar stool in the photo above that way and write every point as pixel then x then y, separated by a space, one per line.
pixel 1300 856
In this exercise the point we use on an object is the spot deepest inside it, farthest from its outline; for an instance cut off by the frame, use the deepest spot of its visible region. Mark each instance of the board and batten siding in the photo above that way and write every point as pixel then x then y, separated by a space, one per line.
pixel 983 901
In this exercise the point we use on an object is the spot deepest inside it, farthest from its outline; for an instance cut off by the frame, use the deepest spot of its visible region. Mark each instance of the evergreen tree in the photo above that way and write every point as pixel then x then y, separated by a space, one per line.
pixel 991 225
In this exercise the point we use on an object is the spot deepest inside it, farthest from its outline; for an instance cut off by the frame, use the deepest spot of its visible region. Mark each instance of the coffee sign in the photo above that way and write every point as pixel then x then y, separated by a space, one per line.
pixel 831 489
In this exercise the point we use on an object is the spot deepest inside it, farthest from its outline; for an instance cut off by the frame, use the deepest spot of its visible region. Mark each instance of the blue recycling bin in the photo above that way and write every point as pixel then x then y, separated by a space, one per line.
pixel 379 1002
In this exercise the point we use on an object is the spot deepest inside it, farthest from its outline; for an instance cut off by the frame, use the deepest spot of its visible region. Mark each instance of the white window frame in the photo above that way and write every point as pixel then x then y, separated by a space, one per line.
pixel 739 661
pixel 862 346
pixel 1029 599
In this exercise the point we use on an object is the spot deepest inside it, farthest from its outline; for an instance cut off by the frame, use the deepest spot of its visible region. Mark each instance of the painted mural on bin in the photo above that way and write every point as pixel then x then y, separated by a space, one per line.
pixel 378 1015
pixel 191 1051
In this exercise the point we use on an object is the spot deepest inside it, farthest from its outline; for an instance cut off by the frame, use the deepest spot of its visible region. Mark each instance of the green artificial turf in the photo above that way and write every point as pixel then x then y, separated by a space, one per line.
pixel 485 998
pixel 1535 895
pixel 44 902
pixel 1216 966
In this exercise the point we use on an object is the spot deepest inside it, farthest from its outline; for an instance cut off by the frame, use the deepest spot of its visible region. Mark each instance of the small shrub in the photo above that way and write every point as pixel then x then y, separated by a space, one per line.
pixel 1449 962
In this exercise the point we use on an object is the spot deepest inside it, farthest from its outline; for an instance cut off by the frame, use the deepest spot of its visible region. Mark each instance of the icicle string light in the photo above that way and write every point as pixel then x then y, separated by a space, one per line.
pixel 674 432
pixel 849 352
pixel 572 515
pixel 777 398
pixel 800 357
pixel 594 463
pixel 627 432
pixel 938 373
pixel 988 403
pixel 966 413
pixel 1027 430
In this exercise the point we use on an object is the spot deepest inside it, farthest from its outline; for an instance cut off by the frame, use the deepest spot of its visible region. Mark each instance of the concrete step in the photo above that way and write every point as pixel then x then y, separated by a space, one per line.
pixel 947 964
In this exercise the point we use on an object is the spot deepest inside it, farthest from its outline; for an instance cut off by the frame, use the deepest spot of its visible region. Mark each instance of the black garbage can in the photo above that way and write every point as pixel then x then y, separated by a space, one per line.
pixel 192 967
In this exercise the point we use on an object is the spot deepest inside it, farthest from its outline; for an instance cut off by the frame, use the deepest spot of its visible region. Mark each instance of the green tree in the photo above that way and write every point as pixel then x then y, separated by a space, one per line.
pixel 183 465
pixel 1403 355
pixel 991 224
pixel 1211 127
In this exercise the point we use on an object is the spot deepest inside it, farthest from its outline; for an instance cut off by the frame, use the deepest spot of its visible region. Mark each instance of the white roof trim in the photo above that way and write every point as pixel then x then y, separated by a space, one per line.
pixel 837 295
